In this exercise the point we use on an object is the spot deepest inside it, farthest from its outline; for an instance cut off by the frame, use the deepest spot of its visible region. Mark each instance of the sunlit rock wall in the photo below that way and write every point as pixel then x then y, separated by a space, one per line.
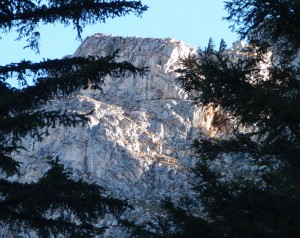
pixel 137 144
pixel 138 141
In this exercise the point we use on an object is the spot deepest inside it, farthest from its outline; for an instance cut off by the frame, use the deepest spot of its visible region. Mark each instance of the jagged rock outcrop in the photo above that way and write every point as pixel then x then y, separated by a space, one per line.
pixel 138 142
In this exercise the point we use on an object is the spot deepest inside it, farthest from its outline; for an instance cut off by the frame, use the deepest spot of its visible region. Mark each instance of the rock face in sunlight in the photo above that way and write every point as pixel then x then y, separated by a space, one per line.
pixel 138 142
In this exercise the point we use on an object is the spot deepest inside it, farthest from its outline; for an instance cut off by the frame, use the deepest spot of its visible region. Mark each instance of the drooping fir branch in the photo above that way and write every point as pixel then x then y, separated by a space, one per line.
pixel 36 124
pixel 8 165
pixel 56 204
pixel 61 77
pixel 21 124
pixel 270 23
pixel 177 224
pixel 26 16
pixel 57 78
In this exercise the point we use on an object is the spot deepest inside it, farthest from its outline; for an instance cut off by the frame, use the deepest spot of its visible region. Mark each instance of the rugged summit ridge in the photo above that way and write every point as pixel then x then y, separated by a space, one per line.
pixel 161 56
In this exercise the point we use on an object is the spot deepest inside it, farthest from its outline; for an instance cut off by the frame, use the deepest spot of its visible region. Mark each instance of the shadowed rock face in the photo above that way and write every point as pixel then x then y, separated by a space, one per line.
pixel 138 141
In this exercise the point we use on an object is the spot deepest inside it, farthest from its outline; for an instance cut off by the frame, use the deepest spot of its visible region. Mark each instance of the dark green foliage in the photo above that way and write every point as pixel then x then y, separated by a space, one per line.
pixel 262 201
pixel 180 221
pixel 26 16
pixel 74 205
pixel 265 201
pixel 55 204
pixel 267 22
pixel 188 225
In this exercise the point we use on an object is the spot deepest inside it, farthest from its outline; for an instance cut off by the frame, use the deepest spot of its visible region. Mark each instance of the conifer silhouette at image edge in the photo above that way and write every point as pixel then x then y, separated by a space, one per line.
pixel 56 204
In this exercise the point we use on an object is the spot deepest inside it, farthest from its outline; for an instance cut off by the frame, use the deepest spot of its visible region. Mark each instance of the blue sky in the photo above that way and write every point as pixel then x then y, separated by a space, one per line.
pixel 192 21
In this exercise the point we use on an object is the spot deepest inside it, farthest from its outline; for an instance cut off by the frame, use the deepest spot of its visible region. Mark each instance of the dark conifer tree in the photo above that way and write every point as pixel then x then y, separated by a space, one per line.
pixel 267 23
pixel 259 194
pixel 47 206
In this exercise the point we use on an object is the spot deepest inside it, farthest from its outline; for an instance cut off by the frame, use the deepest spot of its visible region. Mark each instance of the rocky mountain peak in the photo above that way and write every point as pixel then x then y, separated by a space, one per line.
pixel 156 54
pixel 138 143
pixel 160 56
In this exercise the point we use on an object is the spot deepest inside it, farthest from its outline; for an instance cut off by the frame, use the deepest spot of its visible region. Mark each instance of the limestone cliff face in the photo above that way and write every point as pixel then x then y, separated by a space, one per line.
pixel 138 141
